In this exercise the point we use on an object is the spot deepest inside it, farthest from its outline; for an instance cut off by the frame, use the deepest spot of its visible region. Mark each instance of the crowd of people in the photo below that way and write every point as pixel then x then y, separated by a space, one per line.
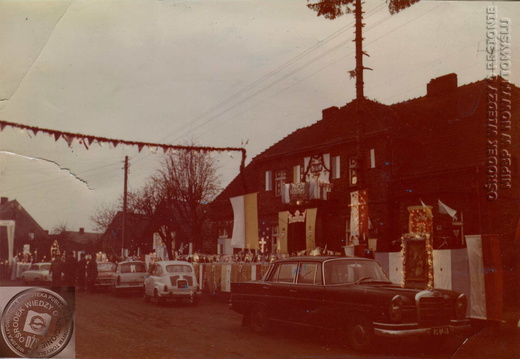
pixel 71 272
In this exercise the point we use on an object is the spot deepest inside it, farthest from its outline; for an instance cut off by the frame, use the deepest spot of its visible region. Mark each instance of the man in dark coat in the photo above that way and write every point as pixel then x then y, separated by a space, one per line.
pixel 69 271
pixel 81 272
pixel 92 273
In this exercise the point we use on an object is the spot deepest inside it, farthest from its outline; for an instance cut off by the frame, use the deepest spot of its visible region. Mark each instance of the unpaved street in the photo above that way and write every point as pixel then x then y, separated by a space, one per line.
pixel 127 327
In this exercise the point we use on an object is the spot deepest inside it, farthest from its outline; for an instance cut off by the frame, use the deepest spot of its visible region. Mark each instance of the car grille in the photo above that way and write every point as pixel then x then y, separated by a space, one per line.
pixel 433 311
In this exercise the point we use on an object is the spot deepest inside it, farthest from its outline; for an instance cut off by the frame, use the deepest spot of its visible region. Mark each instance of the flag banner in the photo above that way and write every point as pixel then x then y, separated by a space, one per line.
pixel 310 228
pixel 392 263
pixel 486 277
pixel 427 208
pixel 283 226
pixel 395 268
pixel 245 223
pixel 447 210
pixel 442 270
pixel 363 213
pixel 420 219
pixel 317 167
pixel 354 218
pixel 251 217
pixel 358 216
pixel 238 238
pixel 264 235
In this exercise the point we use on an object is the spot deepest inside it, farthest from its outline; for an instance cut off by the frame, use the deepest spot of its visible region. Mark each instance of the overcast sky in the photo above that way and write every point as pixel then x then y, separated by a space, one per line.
pixel 218 72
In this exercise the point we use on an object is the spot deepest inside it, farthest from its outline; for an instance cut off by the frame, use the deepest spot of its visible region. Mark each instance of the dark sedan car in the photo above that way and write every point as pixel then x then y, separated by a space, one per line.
pixel 349 294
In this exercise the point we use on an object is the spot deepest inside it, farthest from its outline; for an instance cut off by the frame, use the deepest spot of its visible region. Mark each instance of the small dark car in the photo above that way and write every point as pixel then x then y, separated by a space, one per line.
pixel 349 294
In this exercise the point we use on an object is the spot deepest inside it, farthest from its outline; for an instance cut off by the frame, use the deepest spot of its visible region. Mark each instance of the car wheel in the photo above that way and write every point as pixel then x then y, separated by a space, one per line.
pixel 360 334
pixel 259 319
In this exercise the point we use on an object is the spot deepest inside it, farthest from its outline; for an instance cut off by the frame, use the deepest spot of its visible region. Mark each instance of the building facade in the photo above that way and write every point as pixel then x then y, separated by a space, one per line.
pixel 454 151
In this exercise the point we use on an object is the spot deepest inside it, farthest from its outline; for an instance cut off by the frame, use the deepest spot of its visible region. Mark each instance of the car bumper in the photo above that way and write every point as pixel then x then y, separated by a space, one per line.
pixel 413 329
pixel 189 294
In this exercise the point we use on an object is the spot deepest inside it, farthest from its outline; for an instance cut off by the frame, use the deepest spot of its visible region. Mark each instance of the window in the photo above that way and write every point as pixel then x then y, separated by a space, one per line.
pixel 178 268
pixel 308 273
pixel 285 273
pixel 279 181
pixel 335 167
pixel 268 180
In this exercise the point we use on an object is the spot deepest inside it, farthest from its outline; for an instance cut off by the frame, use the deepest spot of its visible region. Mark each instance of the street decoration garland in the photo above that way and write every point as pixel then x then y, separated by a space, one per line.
pixel 88 140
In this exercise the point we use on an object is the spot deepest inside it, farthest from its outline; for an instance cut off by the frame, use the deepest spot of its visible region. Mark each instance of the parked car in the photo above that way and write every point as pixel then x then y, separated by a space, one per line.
pixel 129 276
pixel 172 280
pixel 106 274
pixel 350 295
pixel 37 272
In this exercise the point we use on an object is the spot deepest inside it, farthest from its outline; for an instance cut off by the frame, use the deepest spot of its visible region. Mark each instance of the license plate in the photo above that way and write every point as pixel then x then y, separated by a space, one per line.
pixel 441 331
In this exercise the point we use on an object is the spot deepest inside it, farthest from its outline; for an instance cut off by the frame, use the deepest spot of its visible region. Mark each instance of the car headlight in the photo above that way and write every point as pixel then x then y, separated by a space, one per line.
pixel 396 308
pixel 461 304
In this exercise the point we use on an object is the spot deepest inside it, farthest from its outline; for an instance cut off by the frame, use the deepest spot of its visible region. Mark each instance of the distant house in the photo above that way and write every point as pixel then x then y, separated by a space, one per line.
pixel 27 230
pixel 138 236
pixel 78 241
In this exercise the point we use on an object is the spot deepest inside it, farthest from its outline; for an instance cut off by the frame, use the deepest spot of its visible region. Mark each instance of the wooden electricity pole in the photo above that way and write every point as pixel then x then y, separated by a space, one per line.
pixel 360 95
pixel 125 197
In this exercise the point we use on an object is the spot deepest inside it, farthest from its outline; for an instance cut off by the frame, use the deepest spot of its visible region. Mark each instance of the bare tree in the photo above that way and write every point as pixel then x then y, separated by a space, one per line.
pixel 174 197
pixel 104 216
pixel 184 183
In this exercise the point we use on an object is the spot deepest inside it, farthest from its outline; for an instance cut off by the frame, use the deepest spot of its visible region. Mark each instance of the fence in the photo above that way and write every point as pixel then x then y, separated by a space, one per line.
pixel 217 277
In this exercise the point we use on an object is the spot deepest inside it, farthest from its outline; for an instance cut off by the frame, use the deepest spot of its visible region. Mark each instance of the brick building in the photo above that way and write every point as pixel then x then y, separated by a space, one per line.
pixel 457 144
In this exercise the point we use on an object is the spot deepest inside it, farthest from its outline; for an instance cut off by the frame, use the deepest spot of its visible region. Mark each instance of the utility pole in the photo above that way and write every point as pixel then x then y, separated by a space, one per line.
pixel 125 197
pixel 359 51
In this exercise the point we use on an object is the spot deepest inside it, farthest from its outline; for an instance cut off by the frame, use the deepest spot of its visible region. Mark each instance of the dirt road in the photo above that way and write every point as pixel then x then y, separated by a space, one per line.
pixel 127 327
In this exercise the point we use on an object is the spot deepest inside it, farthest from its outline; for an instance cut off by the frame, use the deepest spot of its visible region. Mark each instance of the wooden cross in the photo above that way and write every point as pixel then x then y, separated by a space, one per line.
pixel 262 243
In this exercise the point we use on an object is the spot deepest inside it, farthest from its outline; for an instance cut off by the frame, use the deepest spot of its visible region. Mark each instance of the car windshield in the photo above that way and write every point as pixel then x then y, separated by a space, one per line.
pixel 351 271
pixel 45 267
pixel 106 267
pixel 133 267
pixel 176 268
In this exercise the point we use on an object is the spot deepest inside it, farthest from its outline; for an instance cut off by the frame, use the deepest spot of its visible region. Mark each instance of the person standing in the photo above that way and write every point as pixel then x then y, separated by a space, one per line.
pixel 92 273
pixel 81 272
pixel 55 272
pixel 69 271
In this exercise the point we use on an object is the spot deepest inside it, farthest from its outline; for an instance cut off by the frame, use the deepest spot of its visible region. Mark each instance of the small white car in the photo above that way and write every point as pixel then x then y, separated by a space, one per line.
pixel 37 272
pixel 129 276
pixel 171 280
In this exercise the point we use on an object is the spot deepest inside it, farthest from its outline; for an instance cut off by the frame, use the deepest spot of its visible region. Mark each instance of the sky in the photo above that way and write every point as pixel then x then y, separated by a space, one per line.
pixel 220 73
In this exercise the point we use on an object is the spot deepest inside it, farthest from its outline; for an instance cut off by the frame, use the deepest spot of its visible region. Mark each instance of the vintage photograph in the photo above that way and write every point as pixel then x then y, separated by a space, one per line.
pixel 259 179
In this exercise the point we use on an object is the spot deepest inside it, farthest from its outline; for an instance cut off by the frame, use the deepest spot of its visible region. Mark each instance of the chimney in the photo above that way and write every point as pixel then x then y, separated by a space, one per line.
pixel 81 230
pixel 329 112
pixel 4 200
pixel 442 85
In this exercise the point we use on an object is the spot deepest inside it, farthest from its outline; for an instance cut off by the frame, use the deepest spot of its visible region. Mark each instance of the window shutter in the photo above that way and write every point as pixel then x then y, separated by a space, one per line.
pixel 268 180
pixel 336 170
